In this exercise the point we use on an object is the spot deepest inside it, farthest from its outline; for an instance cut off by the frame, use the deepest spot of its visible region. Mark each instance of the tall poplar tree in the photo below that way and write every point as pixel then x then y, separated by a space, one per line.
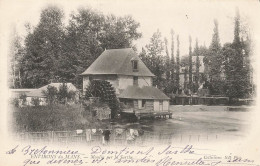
pixel 190 64
pixel 178 63
pixel 167 61
pixel 215 63
pixel 172 58
pixel 196 51
pixel 238 83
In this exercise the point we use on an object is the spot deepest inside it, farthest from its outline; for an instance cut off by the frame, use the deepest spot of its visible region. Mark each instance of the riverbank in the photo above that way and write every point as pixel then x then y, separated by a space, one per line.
pixel 196 108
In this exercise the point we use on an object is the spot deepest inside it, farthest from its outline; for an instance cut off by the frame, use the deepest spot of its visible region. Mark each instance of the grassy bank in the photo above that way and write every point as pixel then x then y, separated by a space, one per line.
pixel 53 118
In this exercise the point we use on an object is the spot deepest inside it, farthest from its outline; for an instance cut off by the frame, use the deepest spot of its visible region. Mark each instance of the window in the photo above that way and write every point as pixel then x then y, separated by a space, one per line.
pixel 135 65
pixel 135 80
pixel 143 103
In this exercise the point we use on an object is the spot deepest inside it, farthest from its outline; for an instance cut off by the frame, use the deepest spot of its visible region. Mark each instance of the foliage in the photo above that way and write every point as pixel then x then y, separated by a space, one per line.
pixel 35 101
pixel 43 48
pixel 57 53
pixel 178 63
pixel 167 62
pixel 154 60
pixel 23 97
pixel 172 61
pixel 197 65
pixel 52 118
pixel 190 85
pixel 16 54
pixel 106 93
pixel 50 94
pixel 215 63
pixel 237 65
pixel 119 32
pixel 63 94
pixel 14 102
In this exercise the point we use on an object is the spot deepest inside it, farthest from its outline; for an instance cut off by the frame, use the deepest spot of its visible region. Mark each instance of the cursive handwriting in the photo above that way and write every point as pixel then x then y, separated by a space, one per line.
pixel 12 151
pixel 170 150
pixel 167 156
pixel 97 150
pixel 28 150
pixel 167 161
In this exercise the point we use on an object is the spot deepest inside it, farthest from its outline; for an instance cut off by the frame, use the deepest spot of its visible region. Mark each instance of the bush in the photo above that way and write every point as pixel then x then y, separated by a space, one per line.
pixel 35 101
pixel 23 99
pixel 51 94
pixel 15 102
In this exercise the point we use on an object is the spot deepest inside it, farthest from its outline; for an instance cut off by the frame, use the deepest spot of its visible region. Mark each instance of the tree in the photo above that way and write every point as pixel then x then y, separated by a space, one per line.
pixel 190 64
pixel 185 78
pixel 155 58
pixel 50 94
pixel 82 45
pixel 119 32
pixel 89 33
pixel 16 55
pixel 43 47
pixel 23 98
pixel 35 101
pixel 55 53
pixel 63 94
pixel 178 63
pixel 215 63
pixel 167 61
pixel 237 73
pixel 172 58
pixel 196 51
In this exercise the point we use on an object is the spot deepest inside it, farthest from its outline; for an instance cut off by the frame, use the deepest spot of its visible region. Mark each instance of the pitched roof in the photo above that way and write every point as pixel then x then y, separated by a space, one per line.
pixel 38 92
pixel 117 61
pixel 146 92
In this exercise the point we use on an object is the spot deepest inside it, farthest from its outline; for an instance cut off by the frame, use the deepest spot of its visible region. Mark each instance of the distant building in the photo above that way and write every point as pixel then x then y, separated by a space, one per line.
pixel 182 71
pixel 16 93
pixel 38 93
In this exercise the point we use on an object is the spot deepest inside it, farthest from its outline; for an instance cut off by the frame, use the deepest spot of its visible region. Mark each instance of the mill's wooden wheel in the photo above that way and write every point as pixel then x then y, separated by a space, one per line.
pixel 104 90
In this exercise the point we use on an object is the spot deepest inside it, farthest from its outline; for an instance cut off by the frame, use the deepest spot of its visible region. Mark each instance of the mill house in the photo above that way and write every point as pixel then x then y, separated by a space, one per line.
pixel 132 82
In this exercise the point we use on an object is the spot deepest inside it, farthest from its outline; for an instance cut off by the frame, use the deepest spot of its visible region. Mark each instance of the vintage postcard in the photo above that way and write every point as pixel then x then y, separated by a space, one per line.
pixel 148 82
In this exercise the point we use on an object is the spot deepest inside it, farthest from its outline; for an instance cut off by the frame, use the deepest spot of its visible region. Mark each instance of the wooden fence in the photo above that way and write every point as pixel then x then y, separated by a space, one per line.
pixel 66 137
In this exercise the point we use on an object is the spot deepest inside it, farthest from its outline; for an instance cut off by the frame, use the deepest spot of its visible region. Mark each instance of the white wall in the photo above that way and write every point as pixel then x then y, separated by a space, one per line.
pixel 156 105
pixel 139 104
pixel 144 81
pixel 85 82
pixel 125 81
pixel 42 101
pixel 120 82
pixel 165 105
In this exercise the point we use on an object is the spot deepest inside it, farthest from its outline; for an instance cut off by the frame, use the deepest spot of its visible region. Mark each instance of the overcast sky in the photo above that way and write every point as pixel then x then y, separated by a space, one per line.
pixel 186 18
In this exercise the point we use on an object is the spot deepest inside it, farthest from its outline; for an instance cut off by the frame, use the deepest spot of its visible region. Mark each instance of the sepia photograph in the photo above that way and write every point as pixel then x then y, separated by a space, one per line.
pixel 129 82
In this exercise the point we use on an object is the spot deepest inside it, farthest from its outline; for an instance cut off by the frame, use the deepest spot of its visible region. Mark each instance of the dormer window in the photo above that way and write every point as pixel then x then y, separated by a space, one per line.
pixel 135 65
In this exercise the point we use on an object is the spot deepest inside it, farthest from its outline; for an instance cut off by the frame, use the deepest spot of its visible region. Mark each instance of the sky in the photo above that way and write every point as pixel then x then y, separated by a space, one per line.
pixel 186 18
